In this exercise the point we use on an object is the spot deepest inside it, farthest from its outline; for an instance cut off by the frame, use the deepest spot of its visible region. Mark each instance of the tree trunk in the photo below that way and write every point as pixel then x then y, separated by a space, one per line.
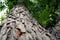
pixel 19 25
pixel 56 29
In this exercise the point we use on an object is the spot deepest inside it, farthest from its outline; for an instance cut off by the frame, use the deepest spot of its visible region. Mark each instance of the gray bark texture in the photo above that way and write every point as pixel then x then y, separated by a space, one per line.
pixel 19 25
pixel 56 29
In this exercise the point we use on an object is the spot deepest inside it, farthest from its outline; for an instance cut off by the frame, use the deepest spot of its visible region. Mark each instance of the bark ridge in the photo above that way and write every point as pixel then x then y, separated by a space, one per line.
pixel 20 25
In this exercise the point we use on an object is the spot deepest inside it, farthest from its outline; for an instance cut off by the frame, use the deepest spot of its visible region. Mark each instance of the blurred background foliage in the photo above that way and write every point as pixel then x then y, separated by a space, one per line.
pixel 42 10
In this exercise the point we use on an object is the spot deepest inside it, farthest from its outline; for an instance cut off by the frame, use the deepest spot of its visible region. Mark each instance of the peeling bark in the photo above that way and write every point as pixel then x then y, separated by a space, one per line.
pixel 20 25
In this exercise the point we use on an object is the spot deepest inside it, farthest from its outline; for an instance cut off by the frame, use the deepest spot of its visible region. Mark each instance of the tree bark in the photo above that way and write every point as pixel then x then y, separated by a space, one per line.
pixel 19 25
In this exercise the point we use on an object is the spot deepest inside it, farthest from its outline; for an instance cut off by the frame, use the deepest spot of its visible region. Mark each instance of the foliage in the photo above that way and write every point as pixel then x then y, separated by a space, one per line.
pixel 1 6
pixel 9 5
pixel 42 10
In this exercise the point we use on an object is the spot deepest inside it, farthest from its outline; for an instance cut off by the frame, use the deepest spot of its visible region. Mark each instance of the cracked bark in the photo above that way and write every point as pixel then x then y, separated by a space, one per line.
pixel 20 25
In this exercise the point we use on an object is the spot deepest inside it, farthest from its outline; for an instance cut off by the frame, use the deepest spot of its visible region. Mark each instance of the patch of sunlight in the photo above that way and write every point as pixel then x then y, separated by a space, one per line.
pixel 34 1
pixel 3 12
